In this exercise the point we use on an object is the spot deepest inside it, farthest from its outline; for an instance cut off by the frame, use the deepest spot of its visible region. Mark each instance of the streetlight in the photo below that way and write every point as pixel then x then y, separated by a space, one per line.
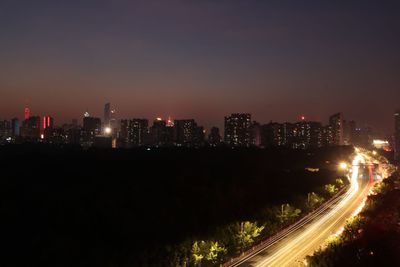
pixel 343 165
pixel 107 130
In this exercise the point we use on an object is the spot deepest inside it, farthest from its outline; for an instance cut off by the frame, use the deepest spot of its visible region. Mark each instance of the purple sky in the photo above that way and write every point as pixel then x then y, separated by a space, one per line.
pixel 201 59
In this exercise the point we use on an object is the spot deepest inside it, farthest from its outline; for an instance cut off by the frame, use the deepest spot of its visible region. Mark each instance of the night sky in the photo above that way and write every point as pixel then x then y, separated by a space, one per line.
pixel 201 59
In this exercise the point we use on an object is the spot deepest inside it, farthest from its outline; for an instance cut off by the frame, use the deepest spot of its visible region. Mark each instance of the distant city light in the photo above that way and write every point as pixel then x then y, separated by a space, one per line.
pixel 380 142
pixel 27 113
pixel 343 165
pixel 170 122
pixel 107 130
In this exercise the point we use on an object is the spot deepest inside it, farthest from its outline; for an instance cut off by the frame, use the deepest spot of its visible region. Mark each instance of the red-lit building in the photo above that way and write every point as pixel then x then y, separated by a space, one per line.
pixel 48 126
pixel 27 113
pixel 48 122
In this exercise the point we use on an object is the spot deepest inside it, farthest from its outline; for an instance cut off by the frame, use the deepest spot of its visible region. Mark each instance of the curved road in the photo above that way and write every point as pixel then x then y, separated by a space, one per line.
pixel 290 247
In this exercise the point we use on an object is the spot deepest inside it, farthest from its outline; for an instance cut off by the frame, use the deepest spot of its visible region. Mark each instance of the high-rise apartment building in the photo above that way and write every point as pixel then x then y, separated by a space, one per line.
pixel 272 134
pixel 91 128
pixel 48 126
pixel 92 125
pixel 134 132
pixel 27 113
pixel 214 138
pixel 159 132
pixel 31 128
pixel 307 134
pixel 238 130
pixel 5 129
pixel 15 127
pixel 336 123
pixel 185 132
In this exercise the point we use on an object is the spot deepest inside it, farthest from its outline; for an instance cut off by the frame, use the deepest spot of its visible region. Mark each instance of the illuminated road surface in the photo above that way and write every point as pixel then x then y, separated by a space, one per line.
pixel 302 239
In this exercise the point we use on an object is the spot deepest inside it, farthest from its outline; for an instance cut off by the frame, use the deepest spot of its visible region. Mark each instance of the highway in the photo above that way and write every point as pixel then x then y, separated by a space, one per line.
pixel 291 246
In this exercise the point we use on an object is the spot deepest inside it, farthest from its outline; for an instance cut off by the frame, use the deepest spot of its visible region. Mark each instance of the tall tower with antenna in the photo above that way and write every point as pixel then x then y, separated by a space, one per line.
pixel 27 112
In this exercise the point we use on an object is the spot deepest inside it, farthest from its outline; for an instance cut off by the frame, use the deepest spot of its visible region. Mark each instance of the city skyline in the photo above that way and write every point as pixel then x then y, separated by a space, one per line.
pixel 239 130
pixel 201 60
pixel 219 121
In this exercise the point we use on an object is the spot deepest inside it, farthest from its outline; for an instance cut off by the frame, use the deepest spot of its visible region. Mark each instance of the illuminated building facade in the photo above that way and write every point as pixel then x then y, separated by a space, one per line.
pixel 188 133
pixel 336 123
pixel 238 130
pixel 272 134
pixel 48 126
pixel 287 134
pixel 27 113
pixel 134 132
pixel 5 129
pixel 327 136
pixel 307 134
pixel 48 122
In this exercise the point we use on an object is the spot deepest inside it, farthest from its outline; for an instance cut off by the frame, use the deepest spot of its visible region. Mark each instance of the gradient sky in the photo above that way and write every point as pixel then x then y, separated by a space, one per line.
pixel 201 59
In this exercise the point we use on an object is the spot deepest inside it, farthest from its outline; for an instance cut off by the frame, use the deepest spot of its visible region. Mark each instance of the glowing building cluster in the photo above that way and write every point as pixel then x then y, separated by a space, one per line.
pixel 239 131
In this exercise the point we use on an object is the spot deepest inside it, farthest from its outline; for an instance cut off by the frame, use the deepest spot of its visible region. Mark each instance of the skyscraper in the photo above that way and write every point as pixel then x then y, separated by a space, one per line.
pixel 185 132
pixel 199 136
pixel 307 134
pixel 31 128
pixel 134 132
pixel 48 122
pixel 5 129
pixel 214 138
pixel 48 125
pixel 336 123
pixel 255 131
pixel 287 134
pixel 272 134
pixel 238 129
pixel 397 135
pixel 327 136
pixel 351 128
pixel 91 128
pixel 92 125
pixel 158 132
pixel 107 114
pixel 15 127
pixel 27 113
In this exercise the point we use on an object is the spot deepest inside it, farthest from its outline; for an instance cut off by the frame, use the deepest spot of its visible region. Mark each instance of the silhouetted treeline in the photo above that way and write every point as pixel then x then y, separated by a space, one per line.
pixel 72 207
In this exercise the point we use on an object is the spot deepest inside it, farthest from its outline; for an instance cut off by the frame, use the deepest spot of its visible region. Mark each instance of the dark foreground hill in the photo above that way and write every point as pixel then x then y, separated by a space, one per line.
pixel 69 207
